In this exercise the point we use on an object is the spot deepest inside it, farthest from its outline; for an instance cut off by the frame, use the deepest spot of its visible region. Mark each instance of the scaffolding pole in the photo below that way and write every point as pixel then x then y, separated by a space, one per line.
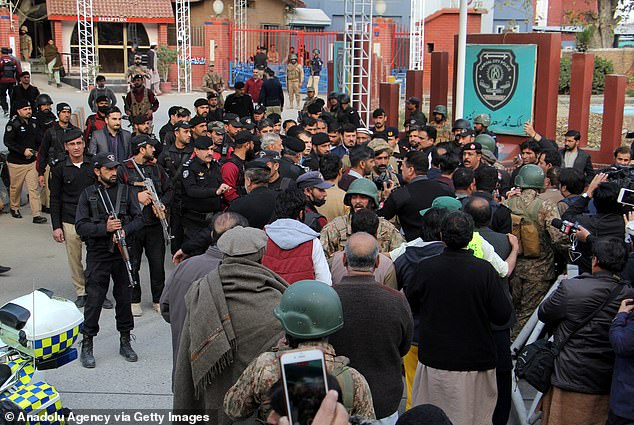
pixel 240 53
pixel 357 62
pixel 88 62
pixel 184 45
pixel 417 34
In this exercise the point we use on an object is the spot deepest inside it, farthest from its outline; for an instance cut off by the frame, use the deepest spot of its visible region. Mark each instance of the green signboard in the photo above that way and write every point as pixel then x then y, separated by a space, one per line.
pixel 500 81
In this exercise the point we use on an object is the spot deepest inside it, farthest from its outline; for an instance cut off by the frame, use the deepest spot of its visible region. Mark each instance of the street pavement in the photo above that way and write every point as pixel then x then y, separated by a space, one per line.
pixel 37 261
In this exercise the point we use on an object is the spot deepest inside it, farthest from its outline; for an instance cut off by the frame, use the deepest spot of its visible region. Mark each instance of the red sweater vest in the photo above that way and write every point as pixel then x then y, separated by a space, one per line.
pixel 292 265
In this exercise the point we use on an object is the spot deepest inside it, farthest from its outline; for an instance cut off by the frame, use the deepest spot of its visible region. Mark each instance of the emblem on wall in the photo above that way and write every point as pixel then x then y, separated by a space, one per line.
pixel 495 75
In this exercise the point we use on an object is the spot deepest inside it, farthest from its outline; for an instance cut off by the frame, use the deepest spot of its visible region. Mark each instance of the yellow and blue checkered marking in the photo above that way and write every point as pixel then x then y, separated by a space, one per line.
pixel 32 398
pixel 46 347
pixel 25 375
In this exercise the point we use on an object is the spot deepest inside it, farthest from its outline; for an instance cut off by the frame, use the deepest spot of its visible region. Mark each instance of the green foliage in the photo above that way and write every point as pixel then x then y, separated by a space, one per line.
pixel 602 67
pixel 584 38
pixel 166 57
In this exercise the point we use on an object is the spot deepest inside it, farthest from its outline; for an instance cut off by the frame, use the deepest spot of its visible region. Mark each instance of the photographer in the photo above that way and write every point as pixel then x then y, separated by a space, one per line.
pixel 608 221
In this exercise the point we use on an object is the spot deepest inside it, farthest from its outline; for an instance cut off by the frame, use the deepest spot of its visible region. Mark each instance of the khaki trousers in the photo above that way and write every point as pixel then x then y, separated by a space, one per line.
pixel 21 174
pixel 273 110
pixel 45 194
pixel 293 93
pixel 74 247
pixel 313 81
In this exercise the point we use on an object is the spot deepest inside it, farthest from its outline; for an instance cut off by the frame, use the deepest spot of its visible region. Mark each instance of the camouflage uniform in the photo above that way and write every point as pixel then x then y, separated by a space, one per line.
pixel 335 234
pixel 443 131
pixel 137 69
pixel 308 103
pixel 294 79
pixel 248 394
pixel 213 82
pixel 391 176
pixel 533 277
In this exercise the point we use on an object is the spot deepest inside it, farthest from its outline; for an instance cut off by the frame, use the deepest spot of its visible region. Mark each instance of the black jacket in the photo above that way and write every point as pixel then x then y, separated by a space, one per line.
pixel 407 201
pixel 461 335
pixel 172 158
pixel 20 135
pixel 586 361
pixel 66 183
pixel 129 175
pixel 500 215
pixel 242 106
pixel 199 186
pixel 271 93
pixel 349 116
pixel 52 146
pixel 20 93
pixel 583 164
pixel 258 206
pixel 289 169
pixel 599 225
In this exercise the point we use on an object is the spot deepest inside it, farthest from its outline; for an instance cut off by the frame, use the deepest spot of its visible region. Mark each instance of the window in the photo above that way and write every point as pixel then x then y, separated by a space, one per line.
pixel 430 47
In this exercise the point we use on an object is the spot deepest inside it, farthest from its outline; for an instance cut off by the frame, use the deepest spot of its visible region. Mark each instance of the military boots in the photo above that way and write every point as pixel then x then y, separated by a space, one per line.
pixel 125 349
pixel 86 357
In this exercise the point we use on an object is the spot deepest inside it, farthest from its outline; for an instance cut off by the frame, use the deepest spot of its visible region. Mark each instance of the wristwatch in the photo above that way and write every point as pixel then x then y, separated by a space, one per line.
pixel 585 195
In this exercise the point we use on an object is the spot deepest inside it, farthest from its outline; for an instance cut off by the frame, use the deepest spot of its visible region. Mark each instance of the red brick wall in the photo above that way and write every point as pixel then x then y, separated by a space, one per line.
pixel 559 9
pixel 6 31
pixel 440 29
pixel 384 34
pixel 57 33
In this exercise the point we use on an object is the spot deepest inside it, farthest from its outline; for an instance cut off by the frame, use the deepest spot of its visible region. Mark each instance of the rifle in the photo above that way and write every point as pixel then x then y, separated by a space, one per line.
pixel 119 238
pixel 160 207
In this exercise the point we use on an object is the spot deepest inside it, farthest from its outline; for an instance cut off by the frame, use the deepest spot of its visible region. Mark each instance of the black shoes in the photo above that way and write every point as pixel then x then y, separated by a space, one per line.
pixel 80 302
pixel 16 214
pixel 86 357
pixel 126 350
pixel 107 304
pixel 4 269
pixel 40 220
pixel 46 210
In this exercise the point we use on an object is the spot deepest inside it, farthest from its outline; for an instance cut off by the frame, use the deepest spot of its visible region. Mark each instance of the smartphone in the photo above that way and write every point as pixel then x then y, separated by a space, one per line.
pixel 305 384
pixel 626 196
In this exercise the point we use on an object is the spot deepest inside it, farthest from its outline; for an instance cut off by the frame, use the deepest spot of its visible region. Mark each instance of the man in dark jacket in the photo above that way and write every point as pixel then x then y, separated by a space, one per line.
pixel 271 94
pixel 583 369
pixel 258 204
pixel 452 344
pixel 487 183
pixel 608 220
pixel 239 102
pixel 24 91
pixel 370 305
pixel 419 193
pixel 9 71
pixel 572 156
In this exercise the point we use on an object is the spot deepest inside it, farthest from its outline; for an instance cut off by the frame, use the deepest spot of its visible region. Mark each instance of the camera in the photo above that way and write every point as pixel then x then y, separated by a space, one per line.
pixel 564 226
pixel 622 175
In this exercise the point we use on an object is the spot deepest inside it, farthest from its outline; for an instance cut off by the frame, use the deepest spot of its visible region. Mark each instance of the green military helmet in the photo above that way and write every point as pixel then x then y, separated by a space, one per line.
pixel 362 187
pixel 530 176
pixel 293 56
pixel 483 119
pixel 441 109
pixel 310 309
pixel 486 141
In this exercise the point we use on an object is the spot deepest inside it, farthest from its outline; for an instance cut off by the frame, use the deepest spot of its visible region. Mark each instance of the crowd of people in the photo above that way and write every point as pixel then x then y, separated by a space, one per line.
pixel 396 252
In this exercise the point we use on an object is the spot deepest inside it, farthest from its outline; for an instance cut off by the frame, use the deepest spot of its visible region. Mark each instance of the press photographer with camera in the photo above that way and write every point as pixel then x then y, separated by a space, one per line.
pixel 607 222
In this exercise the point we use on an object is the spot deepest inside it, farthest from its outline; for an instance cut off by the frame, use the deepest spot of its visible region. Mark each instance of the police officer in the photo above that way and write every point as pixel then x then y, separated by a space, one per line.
pixel 292 155
pixel 51 146
pixel 232 170
pixel 316 65
pixel 171 160
pixel 346 114
pixel 70 175
pixel 9 71
pixel 20 137
pixel 239 102
pixel 150 237
pixel 202 187
pixel 413 108
pixel 480 125
pixel 258 205
pixel 98 229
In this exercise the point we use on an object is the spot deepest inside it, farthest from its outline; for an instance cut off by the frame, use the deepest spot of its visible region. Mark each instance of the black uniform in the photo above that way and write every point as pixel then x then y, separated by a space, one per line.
pixel 52 147
pixel 419 116
pixel 103 259
pixel 289 169
pixel 282 184
pixel 199 186
pixel 67 182
pixel 171 160
pixel 242 106
pixel 9 77
pixel 349 116
pixel 21 135
pixel 150 237
pixel 167 128
pixel 215 114
pixel 258 206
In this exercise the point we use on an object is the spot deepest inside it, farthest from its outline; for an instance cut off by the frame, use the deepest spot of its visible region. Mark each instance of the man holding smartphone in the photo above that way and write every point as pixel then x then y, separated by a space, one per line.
pixel 20 138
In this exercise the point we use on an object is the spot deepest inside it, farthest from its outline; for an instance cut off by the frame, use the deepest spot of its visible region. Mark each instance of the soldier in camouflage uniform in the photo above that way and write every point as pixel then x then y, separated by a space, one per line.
pixel 384 165
pixel 294 79
pixel 361 194
pixel 439 122
pixel 213 83
pixel 315 303
pixel 137 69
pixel 533 276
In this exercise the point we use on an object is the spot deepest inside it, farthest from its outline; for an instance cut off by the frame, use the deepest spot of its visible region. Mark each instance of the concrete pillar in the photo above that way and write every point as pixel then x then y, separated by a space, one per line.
pixel 389 97
pixel 439 82
pixel 414 85
pixel 330 66
pixel 613 105
pixel 580 93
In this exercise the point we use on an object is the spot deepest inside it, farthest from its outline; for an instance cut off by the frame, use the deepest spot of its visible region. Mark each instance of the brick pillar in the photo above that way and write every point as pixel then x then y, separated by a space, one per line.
pixel 57 33
pixel 613 105
pixel 162 33
pixel 439 81
pixel 414 85
pixel 219 30
pixel 389 97
pixel 580 92
pixel 6 32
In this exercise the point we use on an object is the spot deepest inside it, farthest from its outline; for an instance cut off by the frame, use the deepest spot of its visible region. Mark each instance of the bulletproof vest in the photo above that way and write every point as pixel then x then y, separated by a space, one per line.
pixel 8 67
pixel 131 176
pixel 56 150
pixel 311 219
pixel 292 72
pixel 140 108
pixel 240 184
pixel 98 213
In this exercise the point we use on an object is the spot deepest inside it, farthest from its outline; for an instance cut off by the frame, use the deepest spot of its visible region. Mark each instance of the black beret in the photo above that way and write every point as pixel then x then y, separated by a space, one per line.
pixel 257 164
pixel 294 145
pixel 197 120
pixel 21 103
pixel 71 135
pixel 203 142
pixel 320 139
pixel 200 102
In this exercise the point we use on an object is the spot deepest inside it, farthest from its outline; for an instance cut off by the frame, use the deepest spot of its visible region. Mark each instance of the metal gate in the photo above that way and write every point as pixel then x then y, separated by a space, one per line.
pixel 279 43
